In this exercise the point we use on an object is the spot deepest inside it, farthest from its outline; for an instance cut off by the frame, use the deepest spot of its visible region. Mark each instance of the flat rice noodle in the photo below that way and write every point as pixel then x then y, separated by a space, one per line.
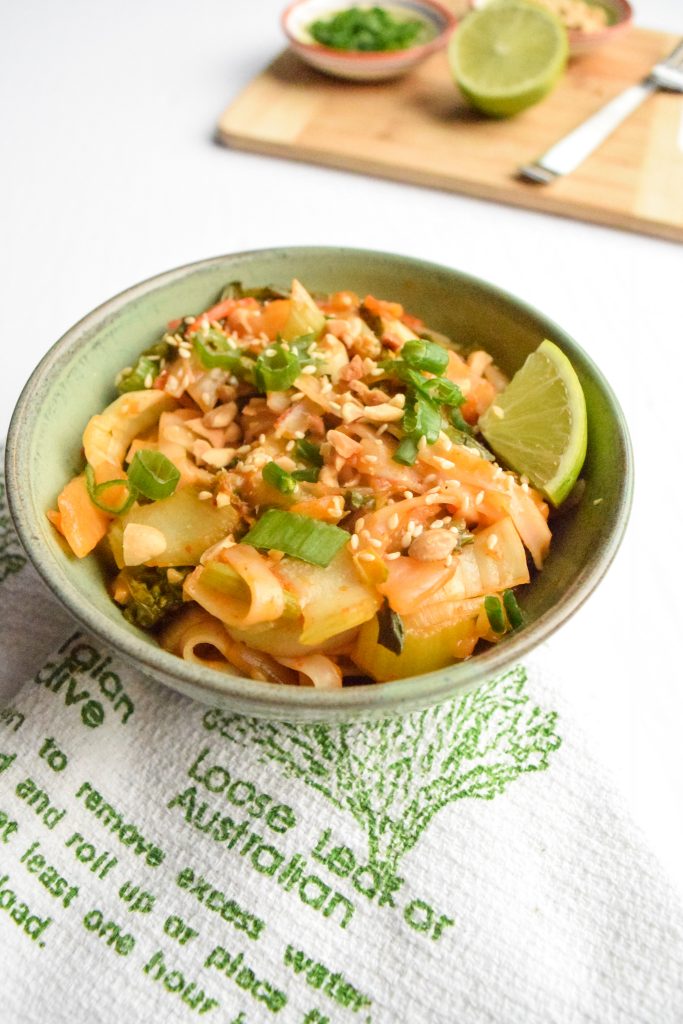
pixel 267 599
pixel 108 435
pixel 194 628
pixel 333 600
pixel 410 582
pixel 529 521
pixel 480 570
pixel 316 670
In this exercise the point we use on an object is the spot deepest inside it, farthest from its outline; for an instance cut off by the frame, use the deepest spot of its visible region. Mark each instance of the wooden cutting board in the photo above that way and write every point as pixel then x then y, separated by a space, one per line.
pixel 417 129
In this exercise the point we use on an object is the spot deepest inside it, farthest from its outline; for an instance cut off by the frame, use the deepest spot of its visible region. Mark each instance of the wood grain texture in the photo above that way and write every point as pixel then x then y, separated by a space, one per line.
pixel 419 130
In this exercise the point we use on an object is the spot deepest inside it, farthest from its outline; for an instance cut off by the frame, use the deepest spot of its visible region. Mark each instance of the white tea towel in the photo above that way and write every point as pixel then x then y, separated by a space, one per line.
pixel 165 861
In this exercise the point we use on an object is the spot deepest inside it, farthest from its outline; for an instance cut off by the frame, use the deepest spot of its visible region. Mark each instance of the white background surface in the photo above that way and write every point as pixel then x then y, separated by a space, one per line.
pixel 110 175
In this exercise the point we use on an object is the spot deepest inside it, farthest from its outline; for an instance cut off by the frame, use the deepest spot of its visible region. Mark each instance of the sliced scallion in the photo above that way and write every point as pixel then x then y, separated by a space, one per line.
pixel 214 352
pixel 152 474
pixel 299 536
pixel 391 632
pixel 425 356
pixel 406 453
pixel 308 452
pixel 95 490
pixel 278 371
pixel 494 613
pixel 279 478
pixel 514 612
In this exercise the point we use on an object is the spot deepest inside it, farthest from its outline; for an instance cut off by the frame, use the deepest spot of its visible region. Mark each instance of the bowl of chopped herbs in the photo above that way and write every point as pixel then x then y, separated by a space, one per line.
pixel 366 42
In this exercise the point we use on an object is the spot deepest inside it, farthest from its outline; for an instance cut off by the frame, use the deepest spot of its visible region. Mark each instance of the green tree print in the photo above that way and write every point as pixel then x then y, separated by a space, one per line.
pixel 394 775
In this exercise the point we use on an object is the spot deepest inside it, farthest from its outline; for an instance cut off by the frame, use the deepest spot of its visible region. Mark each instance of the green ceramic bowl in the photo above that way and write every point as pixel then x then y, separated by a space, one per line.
pixel 74 380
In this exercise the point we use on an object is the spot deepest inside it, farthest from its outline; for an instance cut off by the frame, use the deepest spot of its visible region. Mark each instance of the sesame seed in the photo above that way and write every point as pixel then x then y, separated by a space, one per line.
pixel 149 380
pixel 492 542
pixel 449 560
pixel 382 429
pixel 366 535
pixel 371 458
pixel 354 542
pixel 431 479
pixel 222 500
pixel 367 556
pixel 262 439
pixel 376 542
pixel 393 521
pixel 392 555
pixel 444 463
pixel 418 530
pixel 497 411
pixel 270 352
pixel 289 446
pixel 437 524
pixel 326 386
pixel 598 501
pixel 204 495
pixel 360 524
pixel 479 498
pixel 299 435
pixel 190 319
pixel 244 449
pixel 298 396
pixel 406 539
pixel 422 443
pixel 308 369
pixel 408 494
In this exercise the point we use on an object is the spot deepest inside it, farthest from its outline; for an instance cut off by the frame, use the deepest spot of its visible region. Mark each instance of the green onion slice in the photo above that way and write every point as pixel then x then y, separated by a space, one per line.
pixel 152 474
pixel 279 478
pixel 391 632
pixel 444 392
pixel 308 452
pixel 308 539
pixel 214 352
pixel 514 612
pixel 94 491
pixel 494 613
pixel 406 453
pixel 425 356
pixel 278 371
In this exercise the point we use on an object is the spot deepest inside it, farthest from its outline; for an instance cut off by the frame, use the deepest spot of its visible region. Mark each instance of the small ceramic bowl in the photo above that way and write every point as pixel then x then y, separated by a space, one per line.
pixel 619 18
pixel 75 380
pixel 364 66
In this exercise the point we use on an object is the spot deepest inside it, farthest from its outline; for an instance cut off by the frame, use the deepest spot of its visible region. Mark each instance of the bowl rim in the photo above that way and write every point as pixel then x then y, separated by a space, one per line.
pixel 623 9
pixel 262 698
pixel 374 56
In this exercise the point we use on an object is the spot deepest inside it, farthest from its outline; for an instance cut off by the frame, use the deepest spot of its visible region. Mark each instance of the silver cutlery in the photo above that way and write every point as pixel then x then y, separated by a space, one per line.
pixel 572 150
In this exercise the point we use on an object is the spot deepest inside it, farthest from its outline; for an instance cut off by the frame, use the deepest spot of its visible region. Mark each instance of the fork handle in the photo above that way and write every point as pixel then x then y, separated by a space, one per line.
pixel 572 150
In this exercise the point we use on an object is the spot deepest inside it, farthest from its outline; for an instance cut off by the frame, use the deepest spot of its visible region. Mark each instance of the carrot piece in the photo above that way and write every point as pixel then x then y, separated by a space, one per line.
pixel 380 307
pixel 340 302
pixel 55 519
pixel 173 325
pixel 82 523
pixel 220 311
pixel 413 322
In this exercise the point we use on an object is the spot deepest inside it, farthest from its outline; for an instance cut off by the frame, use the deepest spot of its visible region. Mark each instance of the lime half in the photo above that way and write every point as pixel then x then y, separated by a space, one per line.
pixel 538 424
pixel 508 55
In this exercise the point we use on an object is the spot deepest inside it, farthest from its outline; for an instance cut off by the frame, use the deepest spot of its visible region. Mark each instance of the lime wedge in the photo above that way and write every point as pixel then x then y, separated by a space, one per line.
pixel 508 55
pixel 538 424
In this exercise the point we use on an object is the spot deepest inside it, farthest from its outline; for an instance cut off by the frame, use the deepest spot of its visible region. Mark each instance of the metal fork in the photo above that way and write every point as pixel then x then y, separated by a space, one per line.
pixel 572 150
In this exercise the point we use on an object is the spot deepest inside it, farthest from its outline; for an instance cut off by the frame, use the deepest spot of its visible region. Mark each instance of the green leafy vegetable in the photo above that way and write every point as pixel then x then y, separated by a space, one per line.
pixel 425 355
pixel 278 371
pixel 514 612
pixel 406 453
pixel 299 536
pixel 279 478
pixel 153 475
pixel 223 578
pixel 236 290
pixel 391 632
pixel 354 501
pixel 95 490
pixel 367 29
pixel 494 613
pixel 148 365
pixel 152 596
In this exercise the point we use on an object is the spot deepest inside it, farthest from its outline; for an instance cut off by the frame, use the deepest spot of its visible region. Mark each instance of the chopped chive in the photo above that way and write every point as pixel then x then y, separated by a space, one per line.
pixel 514 612
pixel 494 613
pixel 279 478
pixel 299 536
pixel 214 352
pixel 309 475
pixel 152 474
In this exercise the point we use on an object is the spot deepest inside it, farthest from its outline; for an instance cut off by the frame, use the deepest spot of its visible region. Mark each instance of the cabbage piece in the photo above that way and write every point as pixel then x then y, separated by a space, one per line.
pixel 189 525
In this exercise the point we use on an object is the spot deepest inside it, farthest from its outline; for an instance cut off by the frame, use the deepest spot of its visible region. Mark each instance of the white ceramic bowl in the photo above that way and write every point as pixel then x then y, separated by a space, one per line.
pixel 364 66
pixel 619 12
